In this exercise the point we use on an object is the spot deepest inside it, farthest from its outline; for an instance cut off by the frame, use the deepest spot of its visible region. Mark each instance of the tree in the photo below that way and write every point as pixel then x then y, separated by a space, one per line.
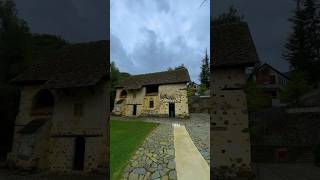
pixel 255 98
pixel 15 39
pixel 15 43
pixel 115 77
pixel 205 71
pixel 202 89
pixel 231 16
pixel 182 66
pixel 295 88
pixel 302 47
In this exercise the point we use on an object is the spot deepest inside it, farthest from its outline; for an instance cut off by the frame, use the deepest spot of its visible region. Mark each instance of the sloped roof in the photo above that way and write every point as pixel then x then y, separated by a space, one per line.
pixel 232 45
pixel 265 65
pixel 75 65
pixel 158 78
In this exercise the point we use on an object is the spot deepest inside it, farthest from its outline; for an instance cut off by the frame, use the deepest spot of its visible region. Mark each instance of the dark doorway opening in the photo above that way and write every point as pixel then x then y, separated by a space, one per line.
pixel 79 152
pixel 172 111
pixel 134 110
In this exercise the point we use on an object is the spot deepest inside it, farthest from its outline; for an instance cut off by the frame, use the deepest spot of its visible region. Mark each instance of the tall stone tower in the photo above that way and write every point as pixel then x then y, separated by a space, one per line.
pixel 232 51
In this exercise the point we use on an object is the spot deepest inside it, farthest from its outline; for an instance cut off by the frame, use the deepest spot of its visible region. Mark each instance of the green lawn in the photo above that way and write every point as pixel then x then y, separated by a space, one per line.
pixel 126 137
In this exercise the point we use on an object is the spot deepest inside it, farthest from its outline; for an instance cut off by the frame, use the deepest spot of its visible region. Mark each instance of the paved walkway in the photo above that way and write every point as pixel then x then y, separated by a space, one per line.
pixel 198 127
pixel 190 164
pixel 155 159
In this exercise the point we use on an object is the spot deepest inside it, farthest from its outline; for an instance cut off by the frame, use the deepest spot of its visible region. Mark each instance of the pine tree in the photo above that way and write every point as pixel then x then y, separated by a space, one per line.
pixel 205 71
pixel 232 16
pixel 302 49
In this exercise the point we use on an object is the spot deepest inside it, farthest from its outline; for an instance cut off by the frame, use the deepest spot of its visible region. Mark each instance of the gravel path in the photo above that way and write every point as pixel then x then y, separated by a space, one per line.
pixel 155 159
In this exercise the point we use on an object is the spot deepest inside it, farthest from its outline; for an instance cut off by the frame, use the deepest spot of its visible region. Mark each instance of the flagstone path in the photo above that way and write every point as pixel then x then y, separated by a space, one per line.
pixel 155 159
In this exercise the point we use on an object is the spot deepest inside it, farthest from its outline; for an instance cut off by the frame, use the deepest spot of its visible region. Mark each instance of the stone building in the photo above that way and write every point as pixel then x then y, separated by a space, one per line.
pixel 157 94
pixel 233 51
pixel 62 120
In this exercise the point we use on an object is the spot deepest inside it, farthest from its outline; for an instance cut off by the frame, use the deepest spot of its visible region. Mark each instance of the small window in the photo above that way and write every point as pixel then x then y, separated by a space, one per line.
pixel 151 104
pixel 78 109
pixel 274 94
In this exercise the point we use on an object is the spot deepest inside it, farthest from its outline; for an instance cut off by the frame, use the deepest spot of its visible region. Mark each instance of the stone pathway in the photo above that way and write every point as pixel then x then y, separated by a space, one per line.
pixel 198 128
pixel 155 159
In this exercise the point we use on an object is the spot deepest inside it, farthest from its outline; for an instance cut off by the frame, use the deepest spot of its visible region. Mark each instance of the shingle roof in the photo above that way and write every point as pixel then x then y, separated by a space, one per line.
pixel 76 65
pixel 158 78
pixel 232 45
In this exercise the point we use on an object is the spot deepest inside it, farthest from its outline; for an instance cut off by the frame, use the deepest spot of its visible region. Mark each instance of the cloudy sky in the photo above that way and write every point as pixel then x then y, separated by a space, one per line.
pixel 268 21
pixel 153 35
pixel 73 20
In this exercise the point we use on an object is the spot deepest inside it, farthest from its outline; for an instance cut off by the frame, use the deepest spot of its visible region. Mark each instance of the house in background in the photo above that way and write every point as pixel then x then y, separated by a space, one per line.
pixel 162 94
pixel 270 80
pixel 62 121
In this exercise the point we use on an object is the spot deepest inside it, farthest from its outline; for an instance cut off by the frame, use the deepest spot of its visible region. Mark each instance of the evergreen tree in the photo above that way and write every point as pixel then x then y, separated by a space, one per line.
pixel 232 16
pixel 205 71
pixel 15 39
pixel 302 49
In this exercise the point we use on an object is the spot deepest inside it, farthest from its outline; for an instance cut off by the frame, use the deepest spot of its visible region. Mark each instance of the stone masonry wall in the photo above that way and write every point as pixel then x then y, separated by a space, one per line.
pixel 53 144
pixel 230 140
pixel 170 93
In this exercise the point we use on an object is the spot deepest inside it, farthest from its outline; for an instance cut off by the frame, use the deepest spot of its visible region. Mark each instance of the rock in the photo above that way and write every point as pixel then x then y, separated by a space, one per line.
pixel 173 174
pixel 147 176
pixel 164 178
pixel 139 171
pixel 133 176
pixel 155 175
pixel 171 164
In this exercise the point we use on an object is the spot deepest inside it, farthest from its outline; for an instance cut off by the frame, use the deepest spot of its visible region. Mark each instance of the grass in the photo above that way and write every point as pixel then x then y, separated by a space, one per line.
pixel 125 139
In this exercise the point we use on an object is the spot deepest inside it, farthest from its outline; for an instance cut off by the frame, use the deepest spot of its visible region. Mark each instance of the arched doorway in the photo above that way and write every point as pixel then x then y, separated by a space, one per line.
pixel 79 153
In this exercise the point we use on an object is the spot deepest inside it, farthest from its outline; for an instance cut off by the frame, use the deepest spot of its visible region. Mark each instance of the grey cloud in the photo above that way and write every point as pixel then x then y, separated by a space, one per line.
pixel 74 20
pixel 163 5
pixel 119 55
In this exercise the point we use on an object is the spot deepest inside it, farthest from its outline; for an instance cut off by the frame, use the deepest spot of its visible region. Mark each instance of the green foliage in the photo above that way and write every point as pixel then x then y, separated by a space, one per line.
pixel 255 98
pixel 231 16
pixel 205 71
pixel 190 92
pixel 202 89
pixel 15 39
pixel 295 88
pixel 115 77
pixel 302 47
pixel 125 138
pixel 182 66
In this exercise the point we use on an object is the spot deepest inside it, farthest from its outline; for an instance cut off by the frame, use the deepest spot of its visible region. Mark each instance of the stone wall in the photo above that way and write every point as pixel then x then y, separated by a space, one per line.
pixel 171 93
pixel 53 147
pixel 230 140
pixel 198 104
